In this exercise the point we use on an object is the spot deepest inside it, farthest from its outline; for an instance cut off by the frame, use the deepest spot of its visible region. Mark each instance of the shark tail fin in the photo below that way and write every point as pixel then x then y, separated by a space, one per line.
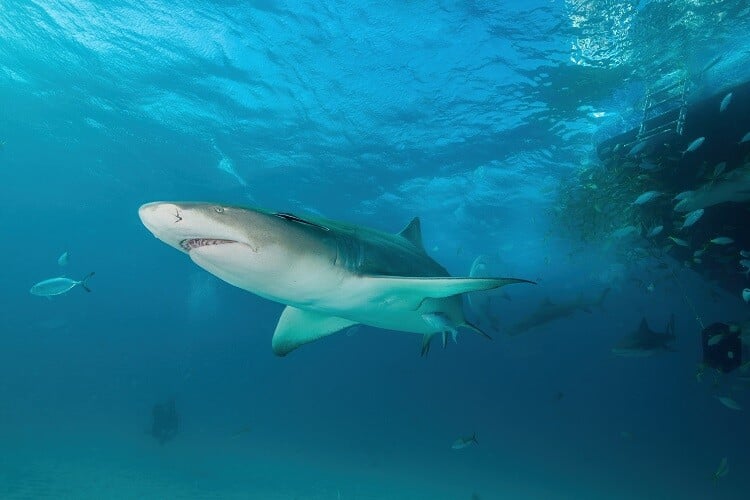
pixel 84 281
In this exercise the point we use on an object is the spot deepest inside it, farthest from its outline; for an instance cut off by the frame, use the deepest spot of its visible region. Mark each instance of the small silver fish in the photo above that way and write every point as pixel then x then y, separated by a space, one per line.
pixel 694 145
pixel 681 196
pixel 646 197
pixel 745 253
pixel 722 470
pixel 655 231
pixel 637 148
pixel 746 295
pixel 464 442
pixel 729 403
pixel 715 339
pixel 58 286
pixel 678 241
pixel 746 264
pixel 63 259
pixel 725 102
pixel 692 218
pixel 722 240
pixel 745 138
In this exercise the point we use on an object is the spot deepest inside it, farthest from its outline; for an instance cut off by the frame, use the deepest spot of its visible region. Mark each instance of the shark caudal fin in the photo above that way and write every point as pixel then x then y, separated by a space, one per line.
pixel 84 281
pixel 297 327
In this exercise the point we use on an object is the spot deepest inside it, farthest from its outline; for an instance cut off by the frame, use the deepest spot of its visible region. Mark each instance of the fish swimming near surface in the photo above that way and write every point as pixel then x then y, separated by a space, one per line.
pixel 645 342
pixel 731 187
pixel 725 102
pixel 62 260
pixel 330 275
pixel 464 442
pixel 548 312
pixel 59 286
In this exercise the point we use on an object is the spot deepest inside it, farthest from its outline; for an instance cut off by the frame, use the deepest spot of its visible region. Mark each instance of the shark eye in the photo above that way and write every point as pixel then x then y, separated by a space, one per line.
pixel 219 210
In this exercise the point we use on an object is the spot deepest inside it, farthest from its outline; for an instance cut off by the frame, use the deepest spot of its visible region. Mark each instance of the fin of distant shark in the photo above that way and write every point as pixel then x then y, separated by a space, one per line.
pixel 297 327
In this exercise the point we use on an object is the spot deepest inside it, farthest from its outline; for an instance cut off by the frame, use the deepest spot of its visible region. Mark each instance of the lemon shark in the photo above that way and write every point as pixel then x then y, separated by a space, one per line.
pixel 330 275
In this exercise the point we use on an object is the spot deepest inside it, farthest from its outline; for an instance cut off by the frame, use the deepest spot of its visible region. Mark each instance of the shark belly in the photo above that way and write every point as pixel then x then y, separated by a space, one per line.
pixel 329 290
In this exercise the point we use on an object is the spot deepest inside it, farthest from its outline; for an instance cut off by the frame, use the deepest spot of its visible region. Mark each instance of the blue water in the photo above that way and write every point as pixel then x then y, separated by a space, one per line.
pixel 468 114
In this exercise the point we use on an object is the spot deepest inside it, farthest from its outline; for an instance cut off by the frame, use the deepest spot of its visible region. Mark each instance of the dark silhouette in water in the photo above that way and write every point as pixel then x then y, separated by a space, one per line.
pixel 165 421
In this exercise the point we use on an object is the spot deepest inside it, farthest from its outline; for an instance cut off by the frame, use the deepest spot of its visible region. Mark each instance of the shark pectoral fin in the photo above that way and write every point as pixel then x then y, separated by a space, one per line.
pixel 419 288
pixel 297 327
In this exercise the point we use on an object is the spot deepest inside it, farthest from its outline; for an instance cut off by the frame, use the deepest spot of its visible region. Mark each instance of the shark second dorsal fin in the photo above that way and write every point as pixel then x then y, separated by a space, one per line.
pixel 413 233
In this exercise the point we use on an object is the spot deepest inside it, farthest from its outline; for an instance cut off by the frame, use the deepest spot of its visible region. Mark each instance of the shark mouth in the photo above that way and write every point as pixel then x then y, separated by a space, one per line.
pixel 194 243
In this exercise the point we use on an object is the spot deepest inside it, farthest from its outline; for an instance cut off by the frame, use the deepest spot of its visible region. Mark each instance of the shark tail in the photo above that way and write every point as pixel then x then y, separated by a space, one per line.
pixel 83 281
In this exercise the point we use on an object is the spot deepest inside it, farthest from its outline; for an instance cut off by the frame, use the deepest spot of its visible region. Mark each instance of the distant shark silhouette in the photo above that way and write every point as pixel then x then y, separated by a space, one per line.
pixel 548 312
pixel 734 186
pixel 646 342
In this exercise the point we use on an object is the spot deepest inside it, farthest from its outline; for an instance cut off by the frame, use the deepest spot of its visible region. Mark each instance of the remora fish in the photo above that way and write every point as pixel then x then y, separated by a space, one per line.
pixel 464 442
pixel 645 342
pixel 329 274
pixel 58 286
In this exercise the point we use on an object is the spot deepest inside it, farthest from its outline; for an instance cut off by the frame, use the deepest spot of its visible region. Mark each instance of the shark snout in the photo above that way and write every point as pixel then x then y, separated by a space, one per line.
pixel 157 216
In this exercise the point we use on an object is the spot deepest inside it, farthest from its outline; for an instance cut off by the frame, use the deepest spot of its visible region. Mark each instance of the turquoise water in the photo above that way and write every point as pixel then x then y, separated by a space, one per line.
pixel 469 115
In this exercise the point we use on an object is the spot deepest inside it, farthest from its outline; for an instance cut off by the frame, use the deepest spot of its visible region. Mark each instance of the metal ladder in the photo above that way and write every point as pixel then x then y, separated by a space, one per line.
pixel 665 106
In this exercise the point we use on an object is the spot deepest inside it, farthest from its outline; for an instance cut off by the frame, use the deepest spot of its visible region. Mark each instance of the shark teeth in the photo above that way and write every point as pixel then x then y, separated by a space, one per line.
pixel 194 243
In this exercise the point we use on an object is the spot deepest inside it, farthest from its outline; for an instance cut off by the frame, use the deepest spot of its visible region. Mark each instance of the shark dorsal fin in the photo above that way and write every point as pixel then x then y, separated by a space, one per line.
pixel 413 233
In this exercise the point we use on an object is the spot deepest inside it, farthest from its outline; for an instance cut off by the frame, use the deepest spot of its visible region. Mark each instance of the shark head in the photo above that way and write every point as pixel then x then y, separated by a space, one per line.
pixel 248 248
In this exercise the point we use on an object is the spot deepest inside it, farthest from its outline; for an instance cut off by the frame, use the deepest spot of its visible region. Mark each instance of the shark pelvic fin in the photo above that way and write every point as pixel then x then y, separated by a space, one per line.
pixel 297 327
pixel 413 233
